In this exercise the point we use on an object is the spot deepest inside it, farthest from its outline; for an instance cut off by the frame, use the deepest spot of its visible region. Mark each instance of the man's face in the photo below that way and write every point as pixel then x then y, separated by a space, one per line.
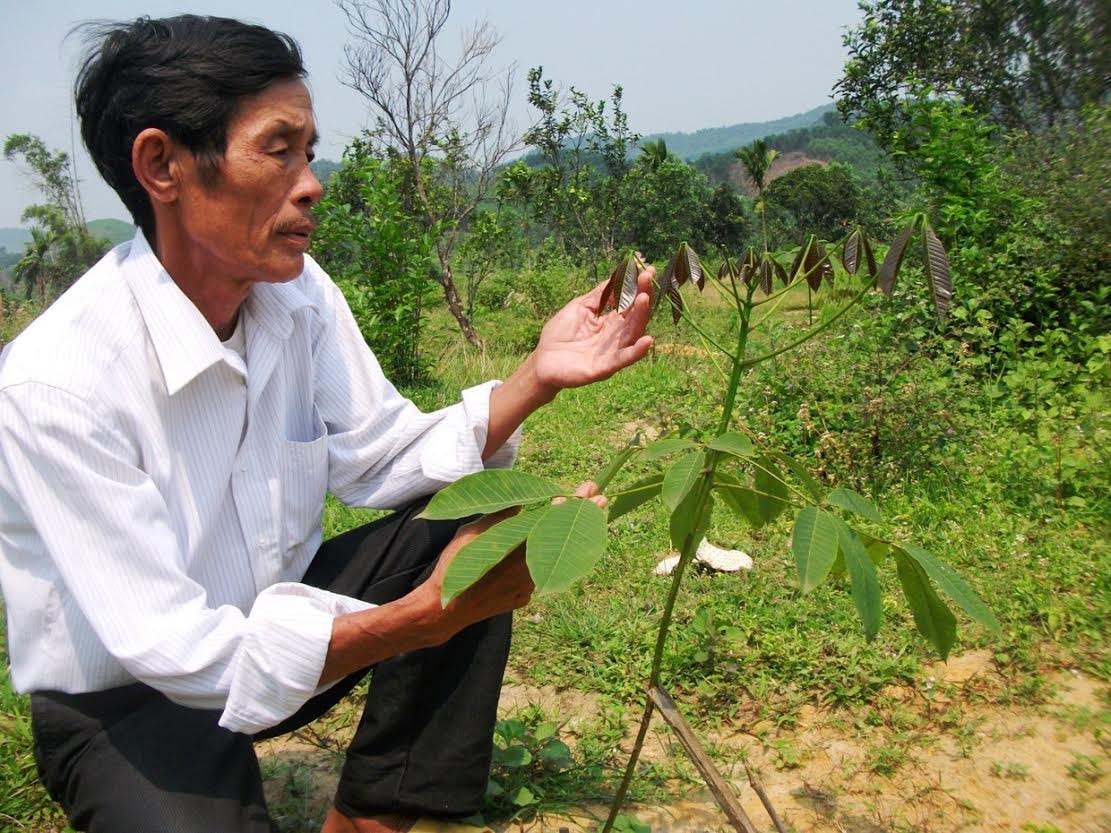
pixel 253 220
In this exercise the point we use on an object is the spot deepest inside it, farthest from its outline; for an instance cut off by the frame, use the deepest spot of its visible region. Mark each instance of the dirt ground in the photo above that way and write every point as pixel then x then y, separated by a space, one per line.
pixel 928 762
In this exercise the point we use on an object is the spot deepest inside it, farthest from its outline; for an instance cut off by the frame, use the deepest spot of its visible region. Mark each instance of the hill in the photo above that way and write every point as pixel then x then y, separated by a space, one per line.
pixel 114 231
pixel 727 139
pixel 826 140
pixel 15 239
pixel 719 140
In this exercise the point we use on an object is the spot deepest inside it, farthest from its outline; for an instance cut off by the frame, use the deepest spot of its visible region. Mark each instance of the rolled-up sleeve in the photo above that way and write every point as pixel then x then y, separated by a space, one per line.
pixel 105 531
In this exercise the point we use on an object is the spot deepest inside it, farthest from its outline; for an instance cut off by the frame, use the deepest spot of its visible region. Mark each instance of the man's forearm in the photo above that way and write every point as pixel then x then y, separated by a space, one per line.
pixel 511 403
pixel 360 640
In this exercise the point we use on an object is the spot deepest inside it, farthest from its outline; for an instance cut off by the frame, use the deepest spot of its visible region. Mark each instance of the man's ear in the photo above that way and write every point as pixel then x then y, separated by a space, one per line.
pixel 155 159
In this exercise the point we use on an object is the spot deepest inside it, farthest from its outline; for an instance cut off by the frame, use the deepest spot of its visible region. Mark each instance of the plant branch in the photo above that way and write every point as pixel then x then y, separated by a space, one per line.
pixel 683 315
pixel 809 334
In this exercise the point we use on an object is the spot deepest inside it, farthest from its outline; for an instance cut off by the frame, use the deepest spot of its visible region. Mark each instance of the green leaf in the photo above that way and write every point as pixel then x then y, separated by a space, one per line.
pixel 545 730
pixel 741 499
pixel 514 757
pixel 800 471
pixel 771 491
pixel 661 448
pixel 477 558
pixel 953 586
pixel 877 549
pixel 684 524
pixel 862 578
pixel 489 491
pixel 565 545
pixel 934 620
pixel 523 797
pixel 853 502
pixel 681 477
pixel 733 443
pixel 557 755
pixel 632 447
pixel 630 498
pixel 814 543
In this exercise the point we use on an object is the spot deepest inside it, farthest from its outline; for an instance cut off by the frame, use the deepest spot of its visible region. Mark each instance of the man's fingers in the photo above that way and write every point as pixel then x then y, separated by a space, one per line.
pixel 587 489
pixel 636 317
pixel 634 352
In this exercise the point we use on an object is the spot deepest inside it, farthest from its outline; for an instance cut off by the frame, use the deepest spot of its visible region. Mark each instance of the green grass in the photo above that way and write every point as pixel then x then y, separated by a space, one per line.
pixel 24 805
pixel 951 463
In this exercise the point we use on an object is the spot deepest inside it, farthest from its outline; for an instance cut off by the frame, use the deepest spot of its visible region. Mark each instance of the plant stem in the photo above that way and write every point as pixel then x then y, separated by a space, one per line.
pixel 809 334
pixel 617 463
pixel 701 332
pixel 687 550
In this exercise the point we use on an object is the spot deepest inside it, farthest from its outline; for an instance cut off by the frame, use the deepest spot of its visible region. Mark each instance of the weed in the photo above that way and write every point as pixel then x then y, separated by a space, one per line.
pixel 1010 770
pixel 885 759
pixel 292 805
pixel 1085 768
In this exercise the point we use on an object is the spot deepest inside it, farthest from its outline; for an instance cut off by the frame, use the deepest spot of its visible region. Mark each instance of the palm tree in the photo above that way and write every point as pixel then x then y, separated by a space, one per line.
pixel 654 154
pixel 33 270
pixel 757 158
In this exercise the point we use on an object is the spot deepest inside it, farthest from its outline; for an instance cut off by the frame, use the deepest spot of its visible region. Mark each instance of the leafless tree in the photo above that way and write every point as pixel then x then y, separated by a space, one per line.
pixel 446 118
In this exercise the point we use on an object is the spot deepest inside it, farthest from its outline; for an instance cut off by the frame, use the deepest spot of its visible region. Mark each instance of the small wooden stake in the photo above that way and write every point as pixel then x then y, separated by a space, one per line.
pixel 717 784
pixel 757 785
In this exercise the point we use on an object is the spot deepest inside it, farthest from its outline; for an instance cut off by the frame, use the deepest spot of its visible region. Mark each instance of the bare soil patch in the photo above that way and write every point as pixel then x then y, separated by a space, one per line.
pixel 932 759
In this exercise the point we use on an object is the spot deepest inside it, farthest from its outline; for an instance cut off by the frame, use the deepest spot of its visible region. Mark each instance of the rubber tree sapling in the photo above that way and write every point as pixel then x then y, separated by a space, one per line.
pixel 835 530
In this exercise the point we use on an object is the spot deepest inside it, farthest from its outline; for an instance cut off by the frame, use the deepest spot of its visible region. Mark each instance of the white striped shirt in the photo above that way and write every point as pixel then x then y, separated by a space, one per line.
pixel 145 536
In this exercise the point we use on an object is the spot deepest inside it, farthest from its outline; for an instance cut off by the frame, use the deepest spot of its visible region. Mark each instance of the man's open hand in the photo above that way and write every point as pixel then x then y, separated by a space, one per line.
pixel 578 346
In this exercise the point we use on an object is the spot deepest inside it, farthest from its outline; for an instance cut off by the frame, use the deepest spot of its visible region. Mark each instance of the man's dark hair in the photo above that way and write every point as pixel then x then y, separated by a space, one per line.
pixel 185 75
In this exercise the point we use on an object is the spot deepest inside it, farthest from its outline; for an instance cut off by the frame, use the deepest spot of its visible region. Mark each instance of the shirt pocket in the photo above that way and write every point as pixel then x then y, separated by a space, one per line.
pixel 304 473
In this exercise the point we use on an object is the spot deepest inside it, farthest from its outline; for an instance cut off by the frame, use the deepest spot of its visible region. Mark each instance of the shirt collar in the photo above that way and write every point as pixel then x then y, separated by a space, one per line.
pixel 183 340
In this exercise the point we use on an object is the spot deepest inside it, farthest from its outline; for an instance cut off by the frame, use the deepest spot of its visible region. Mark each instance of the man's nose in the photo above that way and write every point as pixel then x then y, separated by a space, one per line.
pixel 308 191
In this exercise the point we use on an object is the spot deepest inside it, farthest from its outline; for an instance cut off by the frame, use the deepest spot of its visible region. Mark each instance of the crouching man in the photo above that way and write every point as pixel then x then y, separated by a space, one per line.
pixel 168 431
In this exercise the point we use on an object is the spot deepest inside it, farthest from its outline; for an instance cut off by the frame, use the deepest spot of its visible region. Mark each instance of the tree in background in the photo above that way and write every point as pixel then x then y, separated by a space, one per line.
pixel 61 247
pixel 723 223
pixel 1018 63
pixel 662 199
pixel 823 199
pixel 445 120
pixel 583 154
pixel 757 158
pixel 378 254
pixel 654 154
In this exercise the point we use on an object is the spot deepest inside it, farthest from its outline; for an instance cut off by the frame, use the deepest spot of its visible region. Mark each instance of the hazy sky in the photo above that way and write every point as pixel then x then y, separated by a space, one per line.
pixel 684 65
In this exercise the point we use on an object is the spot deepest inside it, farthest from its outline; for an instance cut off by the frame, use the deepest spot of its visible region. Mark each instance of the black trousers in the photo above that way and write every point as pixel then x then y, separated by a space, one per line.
pixel 128 760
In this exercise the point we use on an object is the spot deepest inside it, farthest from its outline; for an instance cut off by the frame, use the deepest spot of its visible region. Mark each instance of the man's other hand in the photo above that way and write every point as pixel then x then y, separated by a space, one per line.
pixel 508 586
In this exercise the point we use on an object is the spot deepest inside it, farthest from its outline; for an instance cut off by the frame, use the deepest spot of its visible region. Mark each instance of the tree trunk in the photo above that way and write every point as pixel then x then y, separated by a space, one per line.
pixel 455 304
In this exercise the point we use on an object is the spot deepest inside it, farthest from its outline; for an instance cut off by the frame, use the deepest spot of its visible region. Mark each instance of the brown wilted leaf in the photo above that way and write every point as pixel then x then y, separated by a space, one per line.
pixel 937 272
pixel 894 260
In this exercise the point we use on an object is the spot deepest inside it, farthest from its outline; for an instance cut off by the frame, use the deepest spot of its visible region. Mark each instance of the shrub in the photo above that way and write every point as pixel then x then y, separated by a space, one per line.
pixel 379 256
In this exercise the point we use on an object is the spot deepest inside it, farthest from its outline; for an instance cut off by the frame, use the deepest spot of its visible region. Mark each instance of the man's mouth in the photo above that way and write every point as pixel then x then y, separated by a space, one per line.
pixel 299 232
